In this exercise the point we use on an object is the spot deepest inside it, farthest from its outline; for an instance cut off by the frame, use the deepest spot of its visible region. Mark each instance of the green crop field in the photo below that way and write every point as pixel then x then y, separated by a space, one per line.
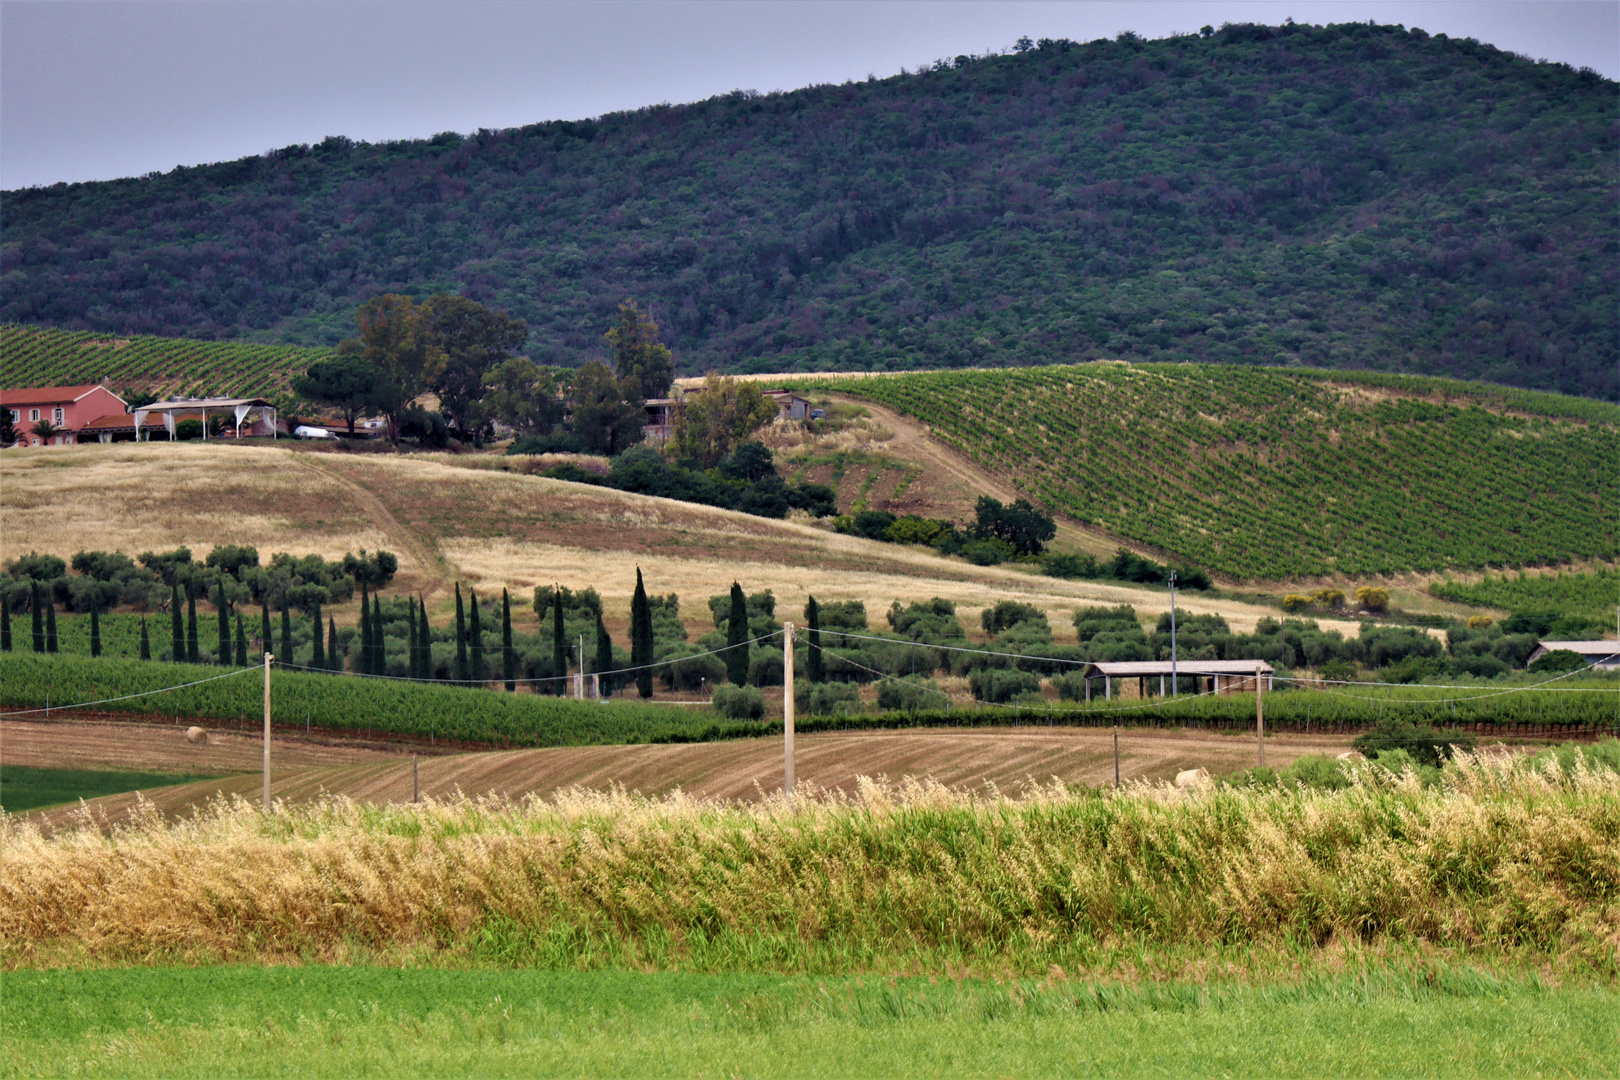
pixel 1596 593
pixel 28 787
pixel 1265 473
pixel 37 356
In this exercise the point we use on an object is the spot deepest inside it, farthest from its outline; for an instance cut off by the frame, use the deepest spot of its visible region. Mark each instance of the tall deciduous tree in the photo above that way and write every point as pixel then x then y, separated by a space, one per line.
pixel 609 412
pixel 737 637
pixel 637 353
pixel 522 395
pixel 473 339
pixel 395 339
pixel 711 421
pixel 641 638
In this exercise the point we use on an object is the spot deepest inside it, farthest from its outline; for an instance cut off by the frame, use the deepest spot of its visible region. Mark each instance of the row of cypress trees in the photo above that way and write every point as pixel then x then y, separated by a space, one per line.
pixel 44 619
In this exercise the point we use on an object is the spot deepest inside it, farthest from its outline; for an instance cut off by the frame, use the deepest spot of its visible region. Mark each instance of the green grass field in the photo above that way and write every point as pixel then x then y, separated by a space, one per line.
pixel 1269 473
pixel 25 787
pixel 367 1021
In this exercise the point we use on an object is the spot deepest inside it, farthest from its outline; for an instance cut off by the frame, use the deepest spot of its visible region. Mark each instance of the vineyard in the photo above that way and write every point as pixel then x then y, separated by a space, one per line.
pixel 1596 593
pixel 340 703
pixel 1266 473
pixel 37 356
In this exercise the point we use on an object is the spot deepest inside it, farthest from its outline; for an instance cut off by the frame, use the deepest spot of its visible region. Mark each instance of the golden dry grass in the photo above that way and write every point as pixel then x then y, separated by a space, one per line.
pixel 1511 860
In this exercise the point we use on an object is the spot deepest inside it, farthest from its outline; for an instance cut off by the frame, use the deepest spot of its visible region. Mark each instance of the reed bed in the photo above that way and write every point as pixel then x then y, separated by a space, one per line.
pixel 1512 860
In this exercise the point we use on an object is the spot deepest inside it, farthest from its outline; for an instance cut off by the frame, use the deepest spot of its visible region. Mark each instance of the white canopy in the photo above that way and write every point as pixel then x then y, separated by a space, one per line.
pixel 239 407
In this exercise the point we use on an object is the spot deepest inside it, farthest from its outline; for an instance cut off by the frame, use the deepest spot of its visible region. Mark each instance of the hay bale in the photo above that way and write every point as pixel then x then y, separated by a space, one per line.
pixel 1187 779
pixel 197 735
pixel 1351 755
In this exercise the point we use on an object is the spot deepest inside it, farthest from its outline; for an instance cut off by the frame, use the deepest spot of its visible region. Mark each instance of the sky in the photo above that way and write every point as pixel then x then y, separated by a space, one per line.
pixel 92 91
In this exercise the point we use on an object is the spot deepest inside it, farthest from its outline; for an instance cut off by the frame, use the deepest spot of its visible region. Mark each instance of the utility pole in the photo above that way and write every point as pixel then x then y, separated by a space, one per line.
pixel 1259 718
pixel 1116 753
pixel 1174 687
pixel 787 710
pixel 267 660
pixel 415 787
pixel 581 684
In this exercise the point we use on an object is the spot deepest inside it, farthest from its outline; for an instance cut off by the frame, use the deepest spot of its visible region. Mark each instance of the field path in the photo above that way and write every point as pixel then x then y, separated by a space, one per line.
pixel 425 553
pixel 737 769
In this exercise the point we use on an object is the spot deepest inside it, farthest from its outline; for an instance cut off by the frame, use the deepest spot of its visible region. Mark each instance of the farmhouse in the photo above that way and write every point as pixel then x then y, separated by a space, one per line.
pixel 1599 654
pixel 64 409
pixel 1225 676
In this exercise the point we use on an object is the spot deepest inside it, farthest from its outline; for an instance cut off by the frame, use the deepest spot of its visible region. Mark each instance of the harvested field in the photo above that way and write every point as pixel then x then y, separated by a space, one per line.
pixel 498 529
pixel 149 747
pixel 743 769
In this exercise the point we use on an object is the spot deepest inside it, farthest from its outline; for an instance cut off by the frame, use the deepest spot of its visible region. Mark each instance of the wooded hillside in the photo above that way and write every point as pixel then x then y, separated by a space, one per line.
pixel 1344 196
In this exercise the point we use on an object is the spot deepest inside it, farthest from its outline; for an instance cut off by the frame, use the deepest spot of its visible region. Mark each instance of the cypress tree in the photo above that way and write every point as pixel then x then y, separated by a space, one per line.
pixel 508 656
pixel 477 634
pixel 224 654
pixel 286 633
pixel 425 629
pixel 264 626
pixel 410 633
pixel 379 640
pixel 334 659
pixel 737 638
pixel 641 638
pixel 146 642
pixel 461 638
pixel 191 625
pixel 317 630
pixel 604 659
pixel 5 623
pixel 95 630
pixel 241 641
pixel 177 644
pixel 559 644
pixel 365 630
pixel 36 604
pixel 812 619
pixel 50 624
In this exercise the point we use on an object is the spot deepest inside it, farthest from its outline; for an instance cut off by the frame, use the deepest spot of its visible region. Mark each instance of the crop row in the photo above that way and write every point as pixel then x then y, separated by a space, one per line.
pixel 39 356
pixel 338 702
pixel 1266 473
pixel 1590 593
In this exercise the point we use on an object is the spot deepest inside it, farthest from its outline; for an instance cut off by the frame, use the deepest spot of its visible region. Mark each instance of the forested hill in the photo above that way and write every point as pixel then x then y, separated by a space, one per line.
pixel 1347 196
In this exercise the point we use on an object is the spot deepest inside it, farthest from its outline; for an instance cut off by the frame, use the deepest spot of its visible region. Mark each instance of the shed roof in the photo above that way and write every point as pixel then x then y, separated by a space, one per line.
pixel 48 395
pixel 1585 648
pixel 177 404
pixel 118 422
pixel 1132 668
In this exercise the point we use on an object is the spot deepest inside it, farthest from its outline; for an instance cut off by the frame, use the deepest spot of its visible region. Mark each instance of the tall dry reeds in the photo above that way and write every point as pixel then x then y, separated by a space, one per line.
pixel 1501 859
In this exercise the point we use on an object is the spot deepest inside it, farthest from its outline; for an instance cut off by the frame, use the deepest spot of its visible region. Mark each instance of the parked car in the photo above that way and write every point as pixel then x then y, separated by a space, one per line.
pixel 304 431
pixel 818 414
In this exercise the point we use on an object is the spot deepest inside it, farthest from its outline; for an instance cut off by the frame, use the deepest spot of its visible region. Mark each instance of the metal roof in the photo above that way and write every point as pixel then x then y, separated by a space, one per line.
pixel 1131 668
pixel 1585 648
pixel 176 404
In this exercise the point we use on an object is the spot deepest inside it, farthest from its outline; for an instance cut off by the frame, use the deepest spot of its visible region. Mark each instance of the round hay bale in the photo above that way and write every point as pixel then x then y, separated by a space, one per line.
pixel 1187 779
pixel 197 735
pixel 1351 755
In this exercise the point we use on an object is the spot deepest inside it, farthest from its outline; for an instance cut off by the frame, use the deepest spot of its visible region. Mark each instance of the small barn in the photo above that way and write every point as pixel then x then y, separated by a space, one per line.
pixel 1604 655
pixel 1224 676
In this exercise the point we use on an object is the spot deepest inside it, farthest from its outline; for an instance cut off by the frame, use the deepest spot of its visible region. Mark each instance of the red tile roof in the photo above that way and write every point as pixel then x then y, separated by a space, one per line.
pixel 45 395
pixel 121 422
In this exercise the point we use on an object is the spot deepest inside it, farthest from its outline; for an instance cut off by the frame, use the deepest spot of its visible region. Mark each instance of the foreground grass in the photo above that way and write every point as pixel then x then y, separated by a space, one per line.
pixel 1516 862
pixel 367 1021
pixel 28 787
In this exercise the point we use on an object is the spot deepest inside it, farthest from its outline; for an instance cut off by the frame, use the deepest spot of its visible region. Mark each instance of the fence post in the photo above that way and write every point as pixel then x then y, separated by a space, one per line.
pixel 1259 718
pixel 787 710
pixel 267 659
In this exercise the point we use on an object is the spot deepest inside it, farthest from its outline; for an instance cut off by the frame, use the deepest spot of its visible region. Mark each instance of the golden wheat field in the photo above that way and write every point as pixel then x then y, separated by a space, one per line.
pixel 1505 857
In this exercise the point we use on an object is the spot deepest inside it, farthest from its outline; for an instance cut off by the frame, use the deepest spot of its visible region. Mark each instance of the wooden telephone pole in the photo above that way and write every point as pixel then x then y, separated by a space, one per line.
pixel 787 709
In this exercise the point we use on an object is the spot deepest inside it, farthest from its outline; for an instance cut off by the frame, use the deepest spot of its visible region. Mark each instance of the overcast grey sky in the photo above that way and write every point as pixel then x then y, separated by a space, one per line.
pixel 99 90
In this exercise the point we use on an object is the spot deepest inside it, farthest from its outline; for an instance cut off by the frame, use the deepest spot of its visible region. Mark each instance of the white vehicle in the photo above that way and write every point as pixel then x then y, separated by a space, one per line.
pixel 304 431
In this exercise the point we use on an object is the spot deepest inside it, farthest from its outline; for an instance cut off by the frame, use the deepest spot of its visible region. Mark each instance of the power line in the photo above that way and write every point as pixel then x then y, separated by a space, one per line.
pixel 127 697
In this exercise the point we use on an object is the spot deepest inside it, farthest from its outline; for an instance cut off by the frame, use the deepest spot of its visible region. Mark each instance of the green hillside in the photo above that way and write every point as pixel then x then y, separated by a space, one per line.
pixel 1596 593
pixel 1271 473
pixel 38 356
pixel 1347 196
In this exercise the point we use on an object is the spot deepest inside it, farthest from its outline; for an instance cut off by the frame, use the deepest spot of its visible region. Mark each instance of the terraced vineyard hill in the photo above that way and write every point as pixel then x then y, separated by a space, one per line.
pixel 1274 473
pixel 37 356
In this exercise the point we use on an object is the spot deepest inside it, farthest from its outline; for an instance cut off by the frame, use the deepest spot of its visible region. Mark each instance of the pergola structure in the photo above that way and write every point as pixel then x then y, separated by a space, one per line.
pixel 180 407
pixel 1226 676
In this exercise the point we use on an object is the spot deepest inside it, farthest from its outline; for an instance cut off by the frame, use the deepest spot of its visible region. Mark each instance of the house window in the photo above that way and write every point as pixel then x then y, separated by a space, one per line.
pixel 56 415
pixel 16 415
pixel 33 414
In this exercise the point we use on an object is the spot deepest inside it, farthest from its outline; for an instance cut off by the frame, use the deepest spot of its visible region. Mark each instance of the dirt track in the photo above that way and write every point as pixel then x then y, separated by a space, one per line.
pixel 741 769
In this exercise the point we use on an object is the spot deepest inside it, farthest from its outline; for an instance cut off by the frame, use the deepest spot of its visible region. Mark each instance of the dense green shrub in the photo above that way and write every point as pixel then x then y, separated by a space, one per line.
pixel 738 702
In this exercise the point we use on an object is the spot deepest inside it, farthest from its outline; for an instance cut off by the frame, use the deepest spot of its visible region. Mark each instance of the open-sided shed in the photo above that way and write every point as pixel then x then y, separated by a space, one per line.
pixel 1226 676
